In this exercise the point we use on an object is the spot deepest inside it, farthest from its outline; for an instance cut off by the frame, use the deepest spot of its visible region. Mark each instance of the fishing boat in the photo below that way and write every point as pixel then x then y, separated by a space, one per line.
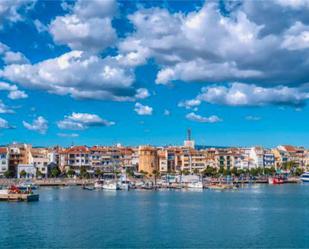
pixel 276 180
pixel 13 193
pixel 98 184
pixel 305 177
pixel 111 186
pixel 195 185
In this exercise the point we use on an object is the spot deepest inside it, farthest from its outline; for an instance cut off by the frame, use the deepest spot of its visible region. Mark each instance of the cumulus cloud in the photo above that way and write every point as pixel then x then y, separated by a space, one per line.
pixel 88 27
pixel 39 125
pixel 82 121
pixel 77 74
pixel 14 93
pixel 14 58
pixel 143 109
pixel 198 118
pixel 40 27
pixel 239 94
pixel 142 93
pixel 209 46
pixel 189 104
pixel 13 10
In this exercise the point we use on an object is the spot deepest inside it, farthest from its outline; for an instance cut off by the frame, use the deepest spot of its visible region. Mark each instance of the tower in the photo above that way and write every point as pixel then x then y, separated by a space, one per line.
pixel 189 142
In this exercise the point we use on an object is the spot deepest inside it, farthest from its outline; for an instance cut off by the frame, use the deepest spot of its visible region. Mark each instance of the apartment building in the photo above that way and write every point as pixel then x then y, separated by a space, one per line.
pixel 4 160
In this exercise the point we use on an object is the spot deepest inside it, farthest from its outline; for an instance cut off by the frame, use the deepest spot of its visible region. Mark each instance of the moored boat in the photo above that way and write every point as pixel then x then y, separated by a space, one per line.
pixel 98 184
pixel 111 186
pixel 27 185
pixel 276 180
pixel 305 177
pixel 13 193
pixel 195 185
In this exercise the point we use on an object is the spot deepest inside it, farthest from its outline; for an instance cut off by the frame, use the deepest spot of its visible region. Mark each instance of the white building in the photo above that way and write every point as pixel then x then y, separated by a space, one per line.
pixel 4 160
pixel 29 169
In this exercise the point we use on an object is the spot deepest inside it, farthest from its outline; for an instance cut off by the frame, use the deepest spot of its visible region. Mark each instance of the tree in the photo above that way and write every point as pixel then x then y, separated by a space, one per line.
pixel 8 174
pixel 156 173
pixel 196 171
pixel 55 172
pixel 210 171
pixel 23 174
pixel 38 173
pixel 70 172
pixel 98 173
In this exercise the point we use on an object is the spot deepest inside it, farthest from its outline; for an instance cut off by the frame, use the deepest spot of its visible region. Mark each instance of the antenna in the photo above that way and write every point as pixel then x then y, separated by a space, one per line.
pixel 189 134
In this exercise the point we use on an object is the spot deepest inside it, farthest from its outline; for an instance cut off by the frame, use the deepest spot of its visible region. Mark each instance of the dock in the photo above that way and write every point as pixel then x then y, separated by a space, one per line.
pixel 19 197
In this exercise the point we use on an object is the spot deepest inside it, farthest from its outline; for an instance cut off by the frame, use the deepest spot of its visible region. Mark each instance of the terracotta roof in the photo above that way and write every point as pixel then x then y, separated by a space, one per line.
pixel 77 149
pixel 3 150
pixel 289 148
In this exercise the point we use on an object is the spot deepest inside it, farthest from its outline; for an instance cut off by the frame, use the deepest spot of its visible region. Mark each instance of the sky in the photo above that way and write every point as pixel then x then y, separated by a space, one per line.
pixel 142 72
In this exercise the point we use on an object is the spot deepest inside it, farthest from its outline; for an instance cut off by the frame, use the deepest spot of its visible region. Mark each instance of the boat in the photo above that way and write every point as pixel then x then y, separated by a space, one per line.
pixel 195 185
pixel 276 180
pixel 88 187
pixel 98 184
pixel 27 185
pixel 221 186
pixel 111 186
pixel 13 193
pixel 124 185
pixel 305 177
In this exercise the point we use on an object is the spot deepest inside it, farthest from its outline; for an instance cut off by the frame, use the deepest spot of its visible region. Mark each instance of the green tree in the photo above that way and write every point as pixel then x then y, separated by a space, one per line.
pixel 8 174
pixel 70 172
pixel 98 173
pixel 210 171
pixel 39 173
pixel 23 174
pixel 55 172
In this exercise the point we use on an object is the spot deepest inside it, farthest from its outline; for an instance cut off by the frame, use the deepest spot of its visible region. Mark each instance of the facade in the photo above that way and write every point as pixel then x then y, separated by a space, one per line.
pixel 4 160
pixel 29 169
pixel 148 159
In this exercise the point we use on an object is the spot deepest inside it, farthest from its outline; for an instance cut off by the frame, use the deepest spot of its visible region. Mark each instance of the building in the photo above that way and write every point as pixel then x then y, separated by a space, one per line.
pixel 26 171
pixel 19 154
pixel 148 159
pixel 4 160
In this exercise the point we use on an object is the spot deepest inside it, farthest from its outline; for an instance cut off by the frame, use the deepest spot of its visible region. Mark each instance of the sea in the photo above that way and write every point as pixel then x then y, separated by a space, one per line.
pixel 254 216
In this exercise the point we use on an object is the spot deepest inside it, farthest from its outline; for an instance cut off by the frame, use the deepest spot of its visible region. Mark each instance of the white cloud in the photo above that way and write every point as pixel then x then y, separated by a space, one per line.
pixel 40 27
pixel 4 124
pixel 14 93
pixel 82 121
pixel 88 27
pixel 70 135
pixel 17 94
pixel 39 125
pixel 4 108
pixel 253 118
pixel 142 93
pixel 167 112
pixel 198 118
pixel 239 94
pixel 297 37
pixel 77 74
pixel 14 58
pixel 143 109
pixel 189 104
pixel 13 10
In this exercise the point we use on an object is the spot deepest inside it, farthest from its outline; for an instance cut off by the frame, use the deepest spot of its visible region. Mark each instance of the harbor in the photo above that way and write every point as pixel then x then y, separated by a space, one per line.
pixel 103 219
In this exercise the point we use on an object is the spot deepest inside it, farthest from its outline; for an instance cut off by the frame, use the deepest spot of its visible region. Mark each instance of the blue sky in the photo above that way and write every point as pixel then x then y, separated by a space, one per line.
pixel 142 72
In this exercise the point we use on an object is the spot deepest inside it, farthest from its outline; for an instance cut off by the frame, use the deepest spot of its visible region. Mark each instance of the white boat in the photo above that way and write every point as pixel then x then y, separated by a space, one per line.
pixel 27 185
pixel 305 177
pixel 98 184
pixel 111 186
pixel 196 185
pixel 124 185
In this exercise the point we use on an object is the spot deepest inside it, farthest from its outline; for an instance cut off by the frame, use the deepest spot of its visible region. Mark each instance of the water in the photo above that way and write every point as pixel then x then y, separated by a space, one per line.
pixel 256 216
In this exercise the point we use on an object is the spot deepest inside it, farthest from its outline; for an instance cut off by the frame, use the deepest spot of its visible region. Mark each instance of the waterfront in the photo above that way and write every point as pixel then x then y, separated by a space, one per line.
pixel 253 216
